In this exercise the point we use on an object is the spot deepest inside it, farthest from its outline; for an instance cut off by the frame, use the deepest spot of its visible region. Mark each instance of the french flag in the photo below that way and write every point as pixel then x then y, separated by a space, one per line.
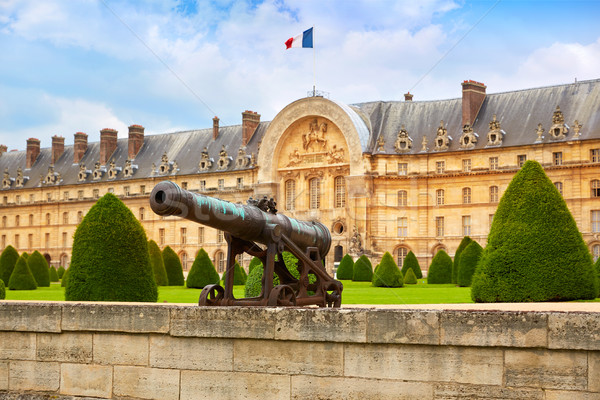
pixel 304 40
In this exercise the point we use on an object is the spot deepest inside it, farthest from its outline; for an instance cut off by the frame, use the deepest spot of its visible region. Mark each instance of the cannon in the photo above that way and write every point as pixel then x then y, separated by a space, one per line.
pixel 257 229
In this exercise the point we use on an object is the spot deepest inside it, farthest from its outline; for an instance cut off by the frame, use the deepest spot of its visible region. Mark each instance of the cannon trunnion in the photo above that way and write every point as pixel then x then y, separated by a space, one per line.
pixel 248 225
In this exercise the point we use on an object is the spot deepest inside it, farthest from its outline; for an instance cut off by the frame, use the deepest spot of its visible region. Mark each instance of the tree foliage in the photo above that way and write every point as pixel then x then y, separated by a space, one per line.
pixel 345 270
pixel 411 262
pixel 22 278
pixel 440 270
pixel 61 272
pixel 173 267
pixel 39 268
pixel 203 272
pixel 8 260
pixel 469 258
pixel 363 270
pixel 239 275
pixel 463 244
pixel 410 278
pixel 255 262
pixel 157 263
pixel 388 274
pixel 53 275
pixel 2 290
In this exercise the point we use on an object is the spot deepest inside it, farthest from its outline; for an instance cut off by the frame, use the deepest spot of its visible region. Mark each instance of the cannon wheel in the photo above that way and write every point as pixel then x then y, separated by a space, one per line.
pixel 211 295
pixel 282 295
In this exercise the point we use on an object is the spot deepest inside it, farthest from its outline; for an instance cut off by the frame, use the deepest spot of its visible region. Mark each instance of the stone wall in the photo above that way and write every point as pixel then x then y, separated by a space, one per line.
pixel 156 351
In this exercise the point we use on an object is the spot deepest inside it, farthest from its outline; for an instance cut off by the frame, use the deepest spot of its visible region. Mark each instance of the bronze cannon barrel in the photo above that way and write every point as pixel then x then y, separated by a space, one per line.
pixel 243 221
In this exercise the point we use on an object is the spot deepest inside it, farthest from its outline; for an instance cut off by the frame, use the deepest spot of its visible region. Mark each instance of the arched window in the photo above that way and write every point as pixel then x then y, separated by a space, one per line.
pixel 401 253
pixel 493 194
pixel 466 195
pixel 596 252
pixel 142 213
pixel 290 195
pixel 184 260
pixel 559 187
pixel 314 191
pixel 340 191
pixel 439 197
pixel 595 184
pixel 402 198
pixel 220 261
pixel 64 260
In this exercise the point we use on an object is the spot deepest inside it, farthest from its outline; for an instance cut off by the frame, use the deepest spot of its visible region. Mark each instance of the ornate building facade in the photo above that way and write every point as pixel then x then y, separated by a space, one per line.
pixel 384 176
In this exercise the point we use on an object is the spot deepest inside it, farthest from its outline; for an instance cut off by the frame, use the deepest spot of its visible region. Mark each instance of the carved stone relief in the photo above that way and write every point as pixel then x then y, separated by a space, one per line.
pixel 129 169
pixel 381 144
pixel 558 130
pixel 468 138
pixel 242 160
pixel 113 170
pixel 165 165
pixel 496 134
pixel 83 173
pixel 224 159
pixel 540 133
pixel 576 129
pixel 205 162
pixel 335 155
pixel 403 141
pixel 20 181
pixel 7 180
pixel 424 145
pixel 51 177
pixel 442 140
pixel 314 139
pixel 99 170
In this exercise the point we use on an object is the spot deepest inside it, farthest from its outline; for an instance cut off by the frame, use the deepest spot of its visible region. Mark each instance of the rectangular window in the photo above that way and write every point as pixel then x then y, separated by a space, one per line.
pixel 402 198
pixel 595 155
pixel 30 240
pixel 142 189
pixel 66 196
pixel 559 187
pixel 466 195
pixel 521 160
pixel 161 236
pixel 466 225
pixel 466 165
pixel 491 219
pixel 240 183
pixel 18 199
pixel 126 190
pixel 64 239
pixel 184 185
pixel 290 195
pixel 201 235
pixel 47 240
pixel 493 163
pixel 439 226
pixel 183 233
pixel 48 219
pixel 96 193
pixel 80 194
pixel 79 216
pixel 65 218
pixel 202 185
pixel 221 184
pixel 17 244
pixel 340 191
pixel 493 194
pixel 49 197
pixel 111 190
pixel 142 213
pixel 17 220
pixel 439 194
pixel 220 236
pixel 32 198
pixel 557 158
pixel 5 200
pixel 403 169
pixel 440 167
pixel 314 193
pixel 402 227
pixel 3 242
pixel 30 219
pixel 596 221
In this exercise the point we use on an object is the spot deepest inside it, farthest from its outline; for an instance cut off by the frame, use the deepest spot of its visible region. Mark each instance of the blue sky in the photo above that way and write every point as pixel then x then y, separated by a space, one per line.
pixel 85 65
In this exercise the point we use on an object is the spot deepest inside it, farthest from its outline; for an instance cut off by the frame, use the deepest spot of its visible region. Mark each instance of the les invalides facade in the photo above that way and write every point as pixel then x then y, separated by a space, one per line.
pixel 383 176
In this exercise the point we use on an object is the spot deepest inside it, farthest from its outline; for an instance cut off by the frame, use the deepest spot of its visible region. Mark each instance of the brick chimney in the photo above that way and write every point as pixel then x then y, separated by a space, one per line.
pixel 136 140
pixel 250 121
pixel 215 127
pixel 108 144
pixel 3 149
pixel 79 146
pixel 408 96
pixel 473 95
pixel 33 151
pixel 58 147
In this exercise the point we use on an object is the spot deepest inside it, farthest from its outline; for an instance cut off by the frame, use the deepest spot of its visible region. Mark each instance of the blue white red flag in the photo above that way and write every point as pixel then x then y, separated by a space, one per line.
pixel 304 40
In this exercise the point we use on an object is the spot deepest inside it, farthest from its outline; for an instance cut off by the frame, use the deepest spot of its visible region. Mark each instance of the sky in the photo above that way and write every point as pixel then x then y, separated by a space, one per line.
pixel 71 66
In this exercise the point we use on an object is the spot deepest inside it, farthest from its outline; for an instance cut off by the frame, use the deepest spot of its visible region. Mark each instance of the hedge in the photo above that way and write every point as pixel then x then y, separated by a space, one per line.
pixel 65 278
pixel 463 244
pixel 411 262
pixel 39 268
pixel 345 270
pixel 410 278
pixel 535 251
pixel 440 270
pixel 173 267
pixel 469 258
pixel 157 263
pixel 2 290
pixel 363 270
pixel 255 262
pixel 388 274
pixel 53 275
pixel 61 272
pixel 22 278
pixel 239 275
pixel 110 260
pixel 8 260
pixel 203 272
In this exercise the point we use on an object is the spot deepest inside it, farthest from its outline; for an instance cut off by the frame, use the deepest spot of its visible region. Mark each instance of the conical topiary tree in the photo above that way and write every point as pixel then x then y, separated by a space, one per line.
pixel 173 267
pixel 440 270
pixel 253 284
pixel 411 262
pixel 410 278
pixel 597 265
pixel 61 272
pixel 110 260
pixel 157 263
pixel 25 254
pixel 239 275
pixel 8 260
pixel 469 258
pixel 203 272
pixel 22 278
pixel 53 275
pixel 345 269
pixel 2 290
pixel 388 274
pixel 363 270
pixel 65 278
pixel 255 262
pixel 39 268
pixel 463 244
pixel 534 251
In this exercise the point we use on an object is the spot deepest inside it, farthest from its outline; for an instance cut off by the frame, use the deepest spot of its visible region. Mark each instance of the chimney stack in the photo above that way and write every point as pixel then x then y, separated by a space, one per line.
pixel 58 148
pixel 250 121
pixel 3 149
pixel 473 95
pixel 33 151
pixel 215 127
pixel 79 147
pixel 408 96
pixel 136 140
pixel 108 144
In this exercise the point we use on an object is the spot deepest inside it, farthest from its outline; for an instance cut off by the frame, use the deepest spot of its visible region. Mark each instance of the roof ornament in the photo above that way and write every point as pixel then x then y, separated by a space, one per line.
pixel 129 169
pixel 559 129
pixel 442 140
pixel 381 144
pixel 205 162
pixel 576 129
pixel 20 181
pixel 175 168
pixel 496 134
pixel 7 181
pixel 113 170
pixel 83 173
pixel 540 133
pixel 424 145
pixel 403 141
pixel 165 165
pixel 99 170
pixel 51 177
pixel 224 159
pixel 243 159
pixel 468 138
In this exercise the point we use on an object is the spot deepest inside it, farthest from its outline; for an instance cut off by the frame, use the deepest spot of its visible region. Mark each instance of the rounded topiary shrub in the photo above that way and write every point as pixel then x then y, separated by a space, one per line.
pixel 469 258
pixel 22 278
pixel 110 260
pixel 411 262
pixel 157 263
pixel 53 275
pixel 173 267
pixel 255 262
pixel 388 274
pixel 410 278
pixel 534 251
pixel 39 268
pixel 8 260
pixel 440 270
pixel 2 290
pixel 363 270
pixel 203 272
pixel 239 275
pixel 463 244
pixel 345 270
pixel 61 272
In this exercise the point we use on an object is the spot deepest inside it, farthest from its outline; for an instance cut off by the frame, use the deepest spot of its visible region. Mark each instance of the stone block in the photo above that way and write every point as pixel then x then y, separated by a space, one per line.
pixel 120 349
pixel 481 366
pixel 233 385
pixel 30 317
pixel 282 357
pixel 191 353
pixel 146 383
pixel 487 328
pixel 546 369
pixel 112 317
pixel 223 322
pixel 17 346
pixel 86 380
pixel 3 375
pixel 321 325
pixel 403 326
pixel 568 395
pixel 66 347
pixel 315 387
pixel 448 391
pixel 34 376
pixel 574 331
pixel 594 371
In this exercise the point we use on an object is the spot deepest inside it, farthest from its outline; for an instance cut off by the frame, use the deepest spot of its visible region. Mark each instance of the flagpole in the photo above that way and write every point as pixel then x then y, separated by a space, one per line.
pixel 314 66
